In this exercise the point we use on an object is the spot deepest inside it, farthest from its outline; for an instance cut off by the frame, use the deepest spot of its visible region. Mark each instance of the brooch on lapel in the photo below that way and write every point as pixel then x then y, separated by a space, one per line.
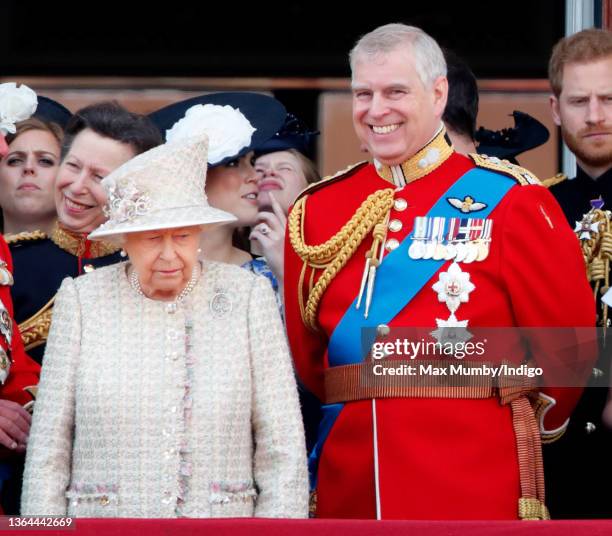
pixel 221 303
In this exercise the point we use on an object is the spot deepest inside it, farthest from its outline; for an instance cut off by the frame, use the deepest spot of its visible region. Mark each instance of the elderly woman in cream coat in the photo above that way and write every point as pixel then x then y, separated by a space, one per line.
pixel 167 388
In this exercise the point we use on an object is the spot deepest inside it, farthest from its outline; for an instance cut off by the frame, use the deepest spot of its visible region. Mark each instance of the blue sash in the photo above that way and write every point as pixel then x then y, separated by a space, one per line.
pixel 398 279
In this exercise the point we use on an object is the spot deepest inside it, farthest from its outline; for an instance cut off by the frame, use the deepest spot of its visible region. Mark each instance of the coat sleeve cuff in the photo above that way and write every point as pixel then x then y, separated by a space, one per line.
pixel 542 405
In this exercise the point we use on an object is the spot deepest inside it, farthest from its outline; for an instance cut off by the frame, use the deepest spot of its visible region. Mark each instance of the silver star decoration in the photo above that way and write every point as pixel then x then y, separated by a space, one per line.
pixel 453 287
pixel 586 227
pixel 453 334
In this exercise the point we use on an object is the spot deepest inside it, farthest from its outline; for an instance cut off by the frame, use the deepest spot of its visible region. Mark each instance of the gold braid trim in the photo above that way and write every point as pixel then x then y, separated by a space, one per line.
pixel 332 255
pixel 553 181
pixel 519 174
pixel 597 252
pixel 24 236
pixel 418 166
pixel 325 181
pixel 76 243
pixel 35 329
pixel 532 509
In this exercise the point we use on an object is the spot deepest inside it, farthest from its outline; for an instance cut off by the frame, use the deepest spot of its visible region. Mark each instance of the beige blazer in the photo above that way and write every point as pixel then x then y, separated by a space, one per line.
pixel 144 412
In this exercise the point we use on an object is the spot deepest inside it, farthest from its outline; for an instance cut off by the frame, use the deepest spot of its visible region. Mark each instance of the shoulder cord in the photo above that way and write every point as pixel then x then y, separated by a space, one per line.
pixel 333 254
pixel 597 252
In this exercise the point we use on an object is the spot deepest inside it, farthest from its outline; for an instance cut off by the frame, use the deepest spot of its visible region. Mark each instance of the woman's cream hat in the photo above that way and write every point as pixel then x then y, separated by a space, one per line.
pixel 162 188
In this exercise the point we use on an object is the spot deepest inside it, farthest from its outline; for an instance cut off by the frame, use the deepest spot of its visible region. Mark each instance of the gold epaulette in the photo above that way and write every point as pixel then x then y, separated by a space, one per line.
pixel 559 177
pixel 24 236
pixel 35 329
pixel 330 178
pixel 519 174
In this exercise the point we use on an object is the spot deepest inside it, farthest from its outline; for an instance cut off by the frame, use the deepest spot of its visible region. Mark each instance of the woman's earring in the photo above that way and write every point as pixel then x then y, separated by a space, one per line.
pixel 122 253
pixel 199 250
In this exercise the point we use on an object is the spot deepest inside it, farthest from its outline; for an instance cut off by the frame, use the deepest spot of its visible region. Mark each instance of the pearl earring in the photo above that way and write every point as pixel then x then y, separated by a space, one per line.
pixel 122 253
pixel 199 250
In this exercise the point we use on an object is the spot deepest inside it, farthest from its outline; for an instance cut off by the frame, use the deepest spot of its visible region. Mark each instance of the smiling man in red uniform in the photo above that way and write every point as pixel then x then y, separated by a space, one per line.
pixel 425 237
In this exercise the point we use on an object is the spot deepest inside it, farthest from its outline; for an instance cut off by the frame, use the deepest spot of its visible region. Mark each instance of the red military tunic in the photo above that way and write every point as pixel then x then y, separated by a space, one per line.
pixel 23 371
pixel 438 458
pixel 17 369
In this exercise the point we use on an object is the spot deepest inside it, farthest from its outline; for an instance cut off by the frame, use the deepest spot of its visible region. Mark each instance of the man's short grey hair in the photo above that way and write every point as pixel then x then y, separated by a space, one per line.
pixel 429 59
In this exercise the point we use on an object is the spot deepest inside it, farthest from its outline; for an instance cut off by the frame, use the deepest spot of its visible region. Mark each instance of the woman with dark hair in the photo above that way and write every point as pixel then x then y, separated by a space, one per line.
pixel 237 122
pixel 28 170
pixel 98 139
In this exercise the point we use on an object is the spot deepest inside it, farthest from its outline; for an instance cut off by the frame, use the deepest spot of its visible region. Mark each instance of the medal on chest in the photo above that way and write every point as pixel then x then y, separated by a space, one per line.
pixel 5 365
pixel 6 278
pixel 453 288
pixel 6 325
pixel 460 239
pixel 594 231
pixel 6 331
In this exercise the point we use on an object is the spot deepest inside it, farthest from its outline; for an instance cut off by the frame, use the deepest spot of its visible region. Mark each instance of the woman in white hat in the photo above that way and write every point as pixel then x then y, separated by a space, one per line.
pixel 167 389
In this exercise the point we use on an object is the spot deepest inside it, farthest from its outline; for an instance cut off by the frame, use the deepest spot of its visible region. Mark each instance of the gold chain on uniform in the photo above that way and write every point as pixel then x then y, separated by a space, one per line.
pixel 332 255
pixel 597 252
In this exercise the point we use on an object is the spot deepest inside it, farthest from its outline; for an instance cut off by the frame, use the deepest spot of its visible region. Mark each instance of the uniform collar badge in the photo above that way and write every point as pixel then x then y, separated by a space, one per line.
pixel 426 160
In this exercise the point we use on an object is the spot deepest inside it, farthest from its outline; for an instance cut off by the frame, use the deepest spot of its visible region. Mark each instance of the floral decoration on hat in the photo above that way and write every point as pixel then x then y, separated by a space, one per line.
pixel 125 201
pixel 17 103
pixel 228 130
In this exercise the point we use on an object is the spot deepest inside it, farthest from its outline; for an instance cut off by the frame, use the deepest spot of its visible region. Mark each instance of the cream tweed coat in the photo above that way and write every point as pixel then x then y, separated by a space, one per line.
pixel 114 434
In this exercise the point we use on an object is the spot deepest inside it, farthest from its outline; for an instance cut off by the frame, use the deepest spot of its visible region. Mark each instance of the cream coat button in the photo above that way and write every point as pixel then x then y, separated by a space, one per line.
pixel 391 244
pixel 395 226
pixel 400 204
